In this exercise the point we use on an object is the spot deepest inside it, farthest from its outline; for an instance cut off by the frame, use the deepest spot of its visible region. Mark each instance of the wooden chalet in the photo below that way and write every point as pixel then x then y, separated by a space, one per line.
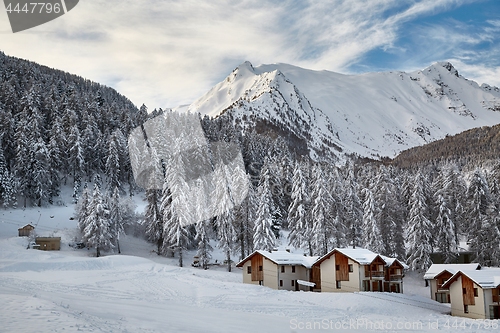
pixel 49 243
pixel 358 269
pixel 475 293
pixel 280 270
pixel 438 274
pixel 26 231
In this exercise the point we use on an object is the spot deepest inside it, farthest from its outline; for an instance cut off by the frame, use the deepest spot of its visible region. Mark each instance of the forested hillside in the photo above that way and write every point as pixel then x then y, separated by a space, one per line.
pixel 57 128
pixel 477 144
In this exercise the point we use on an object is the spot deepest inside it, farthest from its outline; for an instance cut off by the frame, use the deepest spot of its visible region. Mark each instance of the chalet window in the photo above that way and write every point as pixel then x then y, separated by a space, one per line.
pixel 293 269
pixel 494 295
pixel 351 269
pixel 337 267
pixel 281 283
pixel 293 283
pixel 338 285
pixel 464 291
pixel 475 292
pixel 249 269
pixel 466 309
pixel 260 268
pixel 282 269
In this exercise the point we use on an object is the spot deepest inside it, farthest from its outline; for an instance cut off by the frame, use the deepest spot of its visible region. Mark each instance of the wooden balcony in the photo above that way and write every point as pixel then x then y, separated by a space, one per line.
pixel 396 277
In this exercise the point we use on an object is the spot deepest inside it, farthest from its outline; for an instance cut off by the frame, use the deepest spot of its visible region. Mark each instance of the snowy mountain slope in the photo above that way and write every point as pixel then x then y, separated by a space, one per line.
pixel 63 291
pixel 269 96
pixel 373 115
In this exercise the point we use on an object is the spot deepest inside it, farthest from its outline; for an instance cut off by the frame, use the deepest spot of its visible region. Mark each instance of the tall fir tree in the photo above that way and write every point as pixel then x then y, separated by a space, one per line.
pixel 300 233
pixel 419 228
pixel 153 219
pixel 97 232
pixel 371 236
pixel 264 237
pixel 320 198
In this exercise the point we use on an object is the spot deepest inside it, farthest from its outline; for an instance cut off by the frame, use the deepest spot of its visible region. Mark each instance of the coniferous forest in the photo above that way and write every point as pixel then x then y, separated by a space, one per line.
pixel 58 130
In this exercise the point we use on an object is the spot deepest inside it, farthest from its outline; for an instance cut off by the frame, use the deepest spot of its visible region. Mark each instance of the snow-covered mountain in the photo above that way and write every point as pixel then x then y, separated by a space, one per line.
pixel 372 115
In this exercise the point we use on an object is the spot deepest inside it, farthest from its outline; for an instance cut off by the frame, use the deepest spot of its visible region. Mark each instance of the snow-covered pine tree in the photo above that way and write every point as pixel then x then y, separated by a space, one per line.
pixel 264 238
pixel 224 220
pixel 112 166
pixel 483 233
pixel 386 204
pixel 21 161
pixel 371 236
pixel 7 184
pixel 203 239
pixel 446 239
pixel 244 220
pixel 336 213
pixel 419 228
pixel 175 219
pixel 82 209
pixel 153 219
pixel 203 225
pixel 41 173
pixel 300 233
pixel 321 200
pixel 75 158
pixel 97 232
pixel 116 217
pixel 353 214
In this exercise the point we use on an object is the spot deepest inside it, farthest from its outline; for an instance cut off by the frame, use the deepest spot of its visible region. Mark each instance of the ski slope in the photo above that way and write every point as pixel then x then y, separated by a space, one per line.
pixel 138 291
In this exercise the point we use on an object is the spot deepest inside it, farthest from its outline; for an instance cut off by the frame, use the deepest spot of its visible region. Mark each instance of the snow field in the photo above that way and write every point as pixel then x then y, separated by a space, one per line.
pixel 138 291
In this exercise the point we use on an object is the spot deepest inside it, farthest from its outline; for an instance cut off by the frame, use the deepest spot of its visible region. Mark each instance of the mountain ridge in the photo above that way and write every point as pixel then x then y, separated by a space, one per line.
pixel 370 115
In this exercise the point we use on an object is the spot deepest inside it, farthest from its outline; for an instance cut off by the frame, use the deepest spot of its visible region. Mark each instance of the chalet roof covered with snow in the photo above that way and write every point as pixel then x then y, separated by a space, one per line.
pixel 360 255
pixel 436 269
pixel 389 261
pixel 283 258
pixel 486 278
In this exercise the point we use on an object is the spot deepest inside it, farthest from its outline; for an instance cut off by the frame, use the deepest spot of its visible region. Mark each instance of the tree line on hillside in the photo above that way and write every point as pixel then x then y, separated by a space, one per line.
pixel 58 129
pixel 402 213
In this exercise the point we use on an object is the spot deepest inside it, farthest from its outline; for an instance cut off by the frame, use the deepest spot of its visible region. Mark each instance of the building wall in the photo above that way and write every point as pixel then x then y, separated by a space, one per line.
pixel 48 244
pixel 433 288
pixel 287 277
pixel 487 301
pixel 270 274
pixel 328 277
pixel 476 311
pixel 247 278
pixel 328 282
pixel 354 278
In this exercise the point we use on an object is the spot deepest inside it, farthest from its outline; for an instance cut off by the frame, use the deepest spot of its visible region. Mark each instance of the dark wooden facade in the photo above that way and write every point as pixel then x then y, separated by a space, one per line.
pixel 49 243
pixel 26 231
pixel 341 267
pixel 257 267
pixel 316 276
pixel 468 290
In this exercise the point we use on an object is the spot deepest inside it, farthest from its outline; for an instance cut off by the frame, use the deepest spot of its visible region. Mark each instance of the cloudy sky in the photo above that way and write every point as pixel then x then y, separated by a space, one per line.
pixel 170 52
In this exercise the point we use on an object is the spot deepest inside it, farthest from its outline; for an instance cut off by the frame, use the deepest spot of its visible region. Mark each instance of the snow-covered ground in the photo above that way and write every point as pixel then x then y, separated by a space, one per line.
pixel 71 290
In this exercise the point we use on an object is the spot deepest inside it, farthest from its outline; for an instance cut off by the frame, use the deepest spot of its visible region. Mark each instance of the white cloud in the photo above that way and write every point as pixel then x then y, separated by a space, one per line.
pixel 165 53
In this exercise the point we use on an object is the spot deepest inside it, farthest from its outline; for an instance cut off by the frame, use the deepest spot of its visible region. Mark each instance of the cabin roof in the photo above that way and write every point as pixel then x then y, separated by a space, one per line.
pixel 361 256
pixel 27 225
pixel 436 269
pixel 486 278
pixel 283 258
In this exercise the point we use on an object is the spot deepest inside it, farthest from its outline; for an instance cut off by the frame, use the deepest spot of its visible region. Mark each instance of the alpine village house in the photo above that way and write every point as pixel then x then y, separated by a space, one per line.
pixel 340 270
